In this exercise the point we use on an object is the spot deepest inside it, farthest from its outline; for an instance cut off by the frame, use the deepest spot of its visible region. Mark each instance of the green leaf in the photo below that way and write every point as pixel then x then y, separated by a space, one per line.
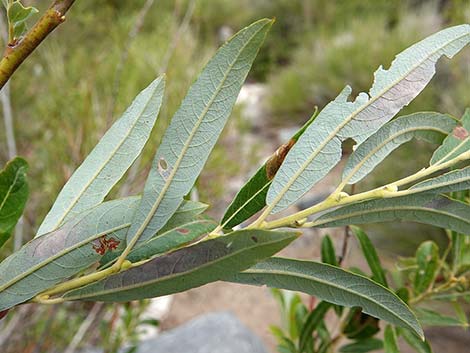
pixel 13 195
pixel 18 14
pixel 360 326
pixel 328 254
pixel 368 249
pixel 194 129
pixel 331 284
pixel 319 148
pixel 427 259
pixel 419 345
pixel 432 318
pixel 190 267
pixel 186 212
pixel 172 239
pixel 49 259
pixel 109 160
pixel 427 126
pixel 456 143
pixel 311 323
pixel 362 346
pixel 390 340
pixel 455 180
pixel 252 196
pixel 436 210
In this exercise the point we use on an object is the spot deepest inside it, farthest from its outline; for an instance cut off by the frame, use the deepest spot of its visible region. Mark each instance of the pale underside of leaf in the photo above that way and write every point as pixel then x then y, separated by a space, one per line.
pixel 109 160
pixel 319 148
pixel 333 285
pixel 428 126
pixel 431 209
pixel 190 267
pixel 456 143
pixel 194 130
pixel 49 259
pixel 455 180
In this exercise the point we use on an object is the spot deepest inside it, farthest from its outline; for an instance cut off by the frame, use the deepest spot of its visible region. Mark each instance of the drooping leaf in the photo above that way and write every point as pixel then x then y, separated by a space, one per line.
pixel 109 160
pixel 13 196
pixel 427 126
pixel 331 284
pixel 252 196
pixel 419 345
pixel 368 249
pixel 194 130
pixel 79 243
pixel 455 180
pixel 319 148
pixel 436 210
pixel 427 259
pixel 189 267
pixel 456 143
pixel 390 340
pixel 362 346
pixel 429 317
pixel 311 323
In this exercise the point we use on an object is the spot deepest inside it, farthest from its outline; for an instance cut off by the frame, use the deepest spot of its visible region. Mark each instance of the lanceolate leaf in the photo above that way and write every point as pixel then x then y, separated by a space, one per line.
pixel 331 284
pixel 319 148
pixel 368 249
pixel 194 130
pixel 436 210
pixel 432 318
pixel 311 323
pixel 47 260
pixel 252 196
pixel 189 267
pixel 187 212
pixel 13 196
pixel 456 143
pixel 109 160
pixel 419 346
pixel 432 127
pixel 390 340
pixel 427 259
pixel 455 180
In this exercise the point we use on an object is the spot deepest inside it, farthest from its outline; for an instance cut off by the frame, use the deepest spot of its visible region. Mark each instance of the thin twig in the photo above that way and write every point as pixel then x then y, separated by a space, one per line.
pixel 18 51
pixel 82 330
pixel 347 235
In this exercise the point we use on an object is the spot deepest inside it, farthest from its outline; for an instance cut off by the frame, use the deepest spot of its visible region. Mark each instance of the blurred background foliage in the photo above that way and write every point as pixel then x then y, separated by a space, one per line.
pixel 86 73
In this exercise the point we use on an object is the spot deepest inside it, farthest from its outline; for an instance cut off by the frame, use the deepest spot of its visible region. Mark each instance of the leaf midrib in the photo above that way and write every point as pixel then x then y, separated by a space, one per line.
pixel 196 126
pixel 12 185
pixel 327 283
pixel 385 209
pixel 440 185
pixel 385 142
pixel 350 118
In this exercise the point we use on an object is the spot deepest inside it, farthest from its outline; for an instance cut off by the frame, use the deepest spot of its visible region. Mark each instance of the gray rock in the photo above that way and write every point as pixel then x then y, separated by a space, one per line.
pixel 218 332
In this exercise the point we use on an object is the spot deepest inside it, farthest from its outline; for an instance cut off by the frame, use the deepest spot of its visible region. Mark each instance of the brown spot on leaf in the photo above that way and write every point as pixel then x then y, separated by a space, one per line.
pixel 255 239
pixel 163 168
pixel 460 133
pixel 183 230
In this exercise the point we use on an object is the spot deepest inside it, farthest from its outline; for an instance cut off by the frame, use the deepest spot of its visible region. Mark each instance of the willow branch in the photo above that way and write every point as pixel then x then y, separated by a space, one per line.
pixel 17 52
